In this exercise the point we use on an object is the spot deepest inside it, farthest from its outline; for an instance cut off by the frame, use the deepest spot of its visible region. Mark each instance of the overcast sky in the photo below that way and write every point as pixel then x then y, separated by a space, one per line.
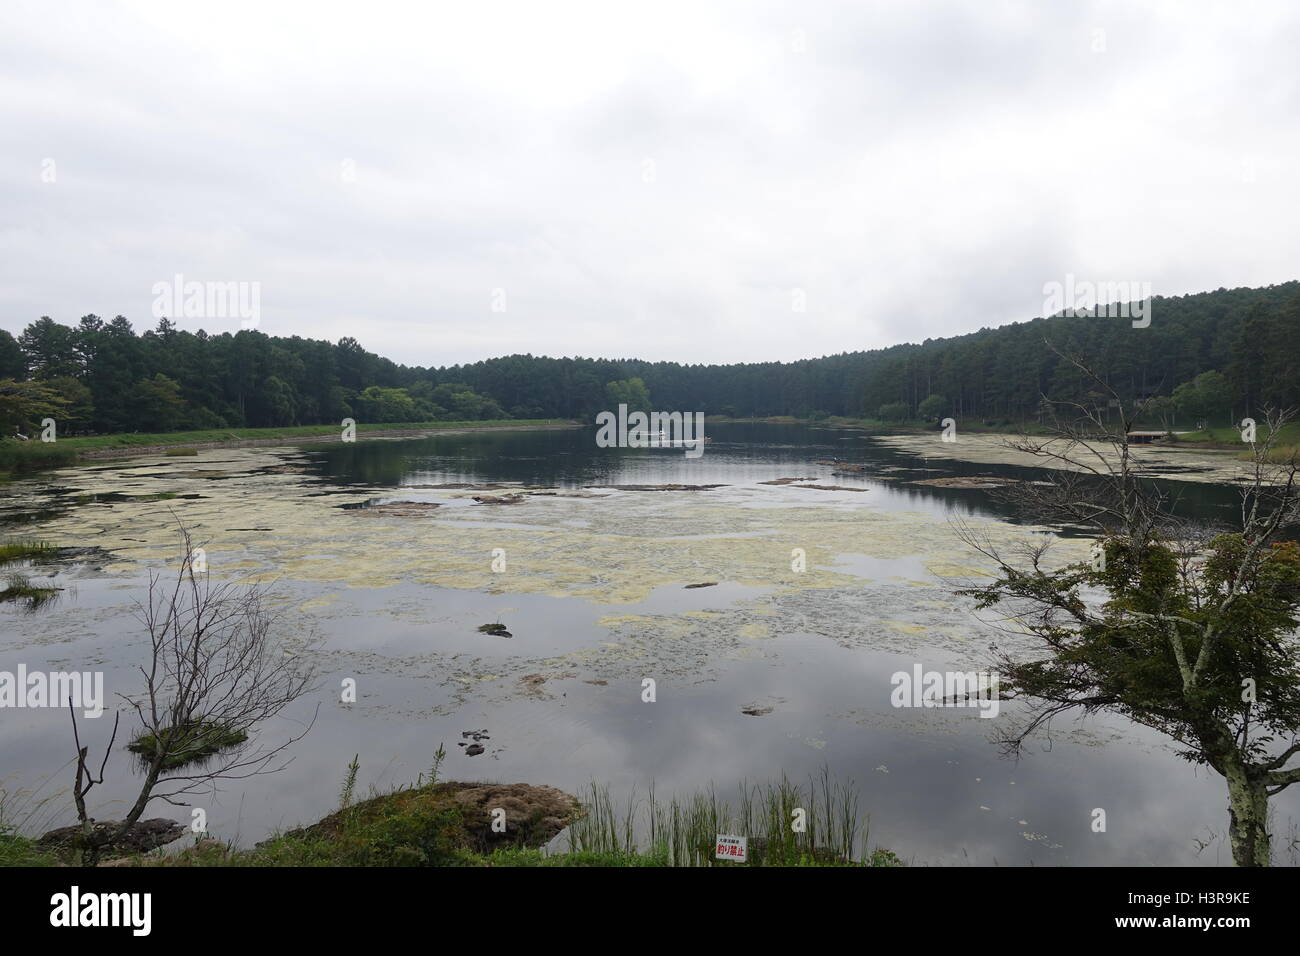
pixel 651 180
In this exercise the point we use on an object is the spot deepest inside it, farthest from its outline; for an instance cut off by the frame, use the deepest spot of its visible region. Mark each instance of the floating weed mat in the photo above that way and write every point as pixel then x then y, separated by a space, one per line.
pixel 19 589
pixel 786 825
pixel 187 744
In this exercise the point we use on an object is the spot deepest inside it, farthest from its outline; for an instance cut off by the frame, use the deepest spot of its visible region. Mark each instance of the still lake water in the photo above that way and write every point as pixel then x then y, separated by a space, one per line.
pixel 594 594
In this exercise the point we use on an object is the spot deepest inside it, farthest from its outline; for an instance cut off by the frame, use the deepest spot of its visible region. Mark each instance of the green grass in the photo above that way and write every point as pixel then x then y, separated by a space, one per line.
pixel 191 743
pixel 26 550
pixel 1286 449
pixel 536 858
pixel 1281 455
pixel 17 850
pixel 682 832
pixel 20 590
pixel 18 587
pixel 22 811
pixel 425 825
pixel 20 458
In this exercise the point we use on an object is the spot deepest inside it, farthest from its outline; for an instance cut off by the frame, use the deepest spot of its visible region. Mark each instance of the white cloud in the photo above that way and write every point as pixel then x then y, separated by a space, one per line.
pixel 916 169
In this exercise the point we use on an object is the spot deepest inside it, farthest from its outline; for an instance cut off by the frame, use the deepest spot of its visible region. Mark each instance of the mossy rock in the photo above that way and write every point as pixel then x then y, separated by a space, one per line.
pixel 140 837
pixel 437 825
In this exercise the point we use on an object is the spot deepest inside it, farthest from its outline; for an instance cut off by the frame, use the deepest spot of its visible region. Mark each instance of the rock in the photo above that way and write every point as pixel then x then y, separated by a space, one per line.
pixel 473 750
pixel 706 584
pixel 144 835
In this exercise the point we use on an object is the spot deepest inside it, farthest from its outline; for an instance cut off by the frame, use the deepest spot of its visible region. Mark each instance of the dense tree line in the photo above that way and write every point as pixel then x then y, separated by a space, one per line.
pixel 1001 374
pixel 104 377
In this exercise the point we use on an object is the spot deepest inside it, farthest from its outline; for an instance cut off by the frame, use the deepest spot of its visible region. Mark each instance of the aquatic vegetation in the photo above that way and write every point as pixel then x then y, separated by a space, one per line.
pixel 395 509
pixel 507 499
pixel 189 743
pixel 617 548
pixel 830 488
pixel 26 550
pixel 965 481
pixel 21 458
pixel 20 590
pixel 786 824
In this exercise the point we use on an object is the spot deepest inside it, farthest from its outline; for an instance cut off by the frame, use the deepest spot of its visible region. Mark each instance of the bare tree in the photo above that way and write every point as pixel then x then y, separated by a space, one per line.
pixel 215 671
pixel 1174 625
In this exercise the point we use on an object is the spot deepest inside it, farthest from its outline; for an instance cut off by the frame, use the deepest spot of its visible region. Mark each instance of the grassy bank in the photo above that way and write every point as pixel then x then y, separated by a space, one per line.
pixel 18 458
pixel 435 823
pixel 1229 438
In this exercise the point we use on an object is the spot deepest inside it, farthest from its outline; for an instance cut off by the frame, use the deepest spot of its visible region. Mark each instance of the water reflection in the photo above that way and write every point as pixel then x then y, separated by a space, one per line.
pixel 936 790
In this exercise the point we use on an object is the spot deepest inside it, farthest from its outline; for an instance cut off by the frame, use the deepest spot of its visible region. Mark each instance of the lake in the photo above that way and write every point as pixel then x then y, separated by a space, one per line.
pixel 781 664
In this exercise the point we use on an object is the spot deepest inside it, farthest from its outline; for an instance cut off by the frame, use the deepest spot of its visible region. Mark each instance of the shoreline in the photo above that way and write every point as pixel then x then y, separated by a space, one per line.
pixel 886 429
pixel 364 433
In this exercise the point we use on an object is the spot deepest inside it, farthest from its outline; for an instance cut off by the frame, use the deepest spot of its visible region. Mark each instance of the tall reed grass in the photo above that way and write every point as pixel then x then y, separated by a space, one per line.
pixel 829 830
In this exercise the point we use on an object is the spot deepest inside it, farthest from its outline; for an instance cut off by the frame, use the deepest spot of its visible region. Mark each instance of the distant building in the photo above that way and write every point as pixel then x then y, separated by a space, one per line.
pixel 1143 438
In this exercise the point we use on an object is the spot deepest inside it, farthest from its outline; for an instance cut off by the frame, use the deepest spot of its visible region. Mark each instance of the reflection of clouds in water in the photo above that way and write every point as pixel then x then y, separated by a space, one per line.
pixel 594 590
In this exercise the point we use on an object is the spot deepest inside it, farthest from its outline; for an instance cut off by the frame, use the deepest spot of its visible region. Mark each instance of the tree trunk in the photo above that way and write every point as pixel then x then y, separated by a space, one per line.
pixel 1248 819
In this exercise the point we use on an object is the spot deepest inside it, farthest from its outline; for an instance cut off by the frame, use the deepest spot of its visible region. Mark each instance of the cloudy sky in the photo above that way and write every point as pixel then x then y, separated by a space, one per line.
pixel 453 181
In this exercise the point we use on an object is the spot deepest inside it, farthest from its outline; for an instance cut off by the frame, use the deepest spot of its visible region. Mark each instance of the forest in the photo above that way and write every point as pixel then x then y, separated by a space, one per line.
pixel 1208 357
